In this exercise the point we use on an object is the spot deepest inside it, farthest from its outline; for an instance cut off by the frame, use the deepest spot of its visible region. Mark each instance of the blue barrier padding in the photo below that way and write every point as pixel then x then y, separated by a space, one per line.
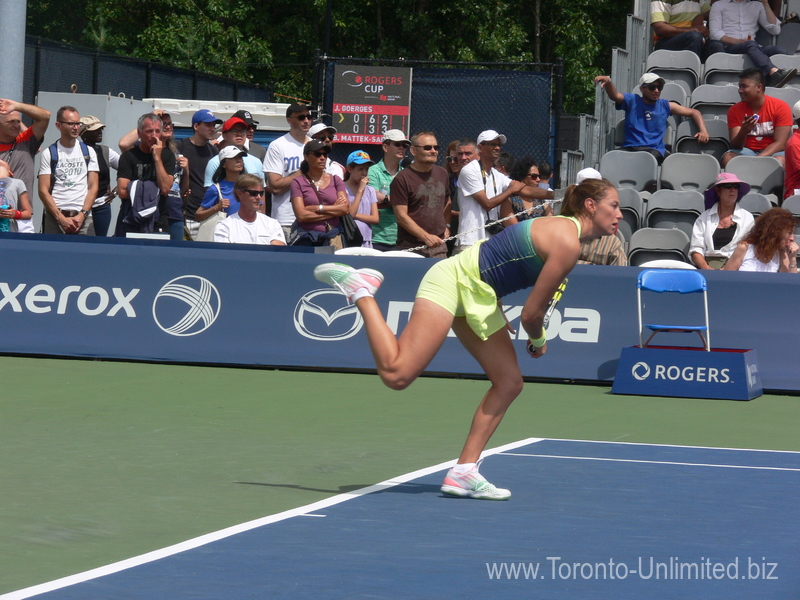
pixel 227 304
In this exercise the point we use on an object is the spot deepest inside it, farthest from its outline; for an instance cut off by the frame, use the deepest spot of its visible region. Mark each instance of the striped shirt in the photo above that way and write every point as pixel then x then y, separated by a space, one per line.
pixel 678 13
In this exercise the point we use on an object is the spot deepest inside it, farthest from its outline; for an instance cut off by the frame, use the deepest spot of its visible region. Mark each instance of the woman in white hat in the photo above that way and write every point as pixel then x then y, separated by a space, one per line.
pixel 723 225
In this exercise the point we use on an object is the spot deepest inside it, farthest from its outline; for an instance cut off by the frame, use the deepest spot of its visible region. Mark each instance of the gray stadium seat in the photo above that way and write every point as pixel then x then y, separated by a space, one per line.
pixel 792 204
pixel 718 142
pixel 715 100
pixel 676 65
pixel 722 68
pixel 672 209
pixel 657 244
pixel 637 170
pixel 689 171
pixel 788 94
pixel 631 204
pixel 763 173
pixel 755 203
pixel 788 41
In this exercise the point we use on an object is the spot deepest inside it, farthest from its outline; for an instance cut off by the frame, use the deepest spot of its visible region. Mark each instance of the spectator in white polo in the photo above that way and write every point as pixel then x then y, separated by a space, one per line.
pixel 249 225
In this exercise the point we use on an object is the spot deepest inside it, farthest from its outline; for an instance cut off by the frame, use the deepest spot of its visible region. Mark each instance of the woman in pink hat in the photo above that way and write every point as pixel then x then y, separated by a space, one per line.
pixel 723 225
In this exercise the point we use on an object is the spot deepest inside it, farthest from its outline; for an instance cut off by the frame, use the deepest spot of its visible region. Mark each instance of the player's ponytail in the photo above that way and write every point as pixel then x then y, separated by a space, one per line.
pixel 574 204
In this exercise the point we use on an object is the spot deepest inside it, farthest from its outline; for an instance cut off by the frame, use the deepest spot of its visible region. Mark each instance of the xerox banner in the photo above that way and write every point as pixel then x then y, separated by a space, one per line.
pixel 228 304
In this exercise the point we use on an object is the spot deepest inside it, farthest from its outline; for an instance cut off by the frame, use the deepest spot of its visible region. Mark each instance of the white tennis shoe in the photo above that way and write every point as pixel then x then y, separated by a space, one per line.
pixel 472 485
pixel 347 280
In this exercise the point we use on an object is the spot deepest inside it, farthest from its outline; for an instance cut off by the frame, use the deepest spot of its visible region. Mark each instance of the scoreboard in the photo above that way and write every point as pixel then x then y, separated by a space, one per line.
pixel 369 100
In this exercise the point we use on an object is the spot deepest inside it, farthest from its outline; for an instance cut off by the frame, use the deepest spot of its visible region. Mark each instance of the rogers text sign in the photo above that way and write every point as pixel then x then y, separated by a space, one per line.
pixel 369 100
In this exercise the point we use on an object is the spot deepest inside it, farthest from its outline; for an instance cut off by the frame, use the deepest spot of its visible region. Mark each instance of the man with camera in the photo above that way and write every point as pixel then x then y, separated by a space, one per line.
pixel 484 193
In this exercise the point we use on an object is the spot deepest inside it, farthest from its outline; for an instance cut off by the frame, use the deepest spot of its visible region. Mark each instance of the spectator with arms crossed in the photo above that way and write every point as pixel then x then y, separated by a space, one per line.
pixel 646 115
pixel 759 125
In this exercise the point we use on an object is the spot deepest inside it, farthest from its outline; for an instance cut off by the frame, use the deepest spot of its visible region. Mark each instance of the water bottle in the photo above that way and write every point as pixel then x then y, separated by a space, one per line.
pixel 5 224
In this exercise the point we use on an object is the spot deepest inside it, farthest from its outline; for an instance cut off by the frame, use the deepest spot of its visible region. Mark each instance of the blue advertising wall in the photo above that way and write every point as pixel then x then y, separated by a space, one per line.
pixel 242 305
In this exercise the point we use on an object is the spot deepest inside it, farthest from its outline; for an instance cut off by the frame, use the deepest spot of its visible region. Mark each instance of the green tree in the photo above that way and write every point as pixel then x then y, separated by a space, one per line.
pixel 276 42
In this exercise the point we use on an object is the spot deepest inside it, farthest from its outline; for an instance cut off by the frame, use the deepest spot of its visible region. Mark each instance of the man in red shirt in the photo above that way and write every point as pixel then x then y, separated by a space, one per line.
pixel 791 184
pixel 759 125
pixel 18 148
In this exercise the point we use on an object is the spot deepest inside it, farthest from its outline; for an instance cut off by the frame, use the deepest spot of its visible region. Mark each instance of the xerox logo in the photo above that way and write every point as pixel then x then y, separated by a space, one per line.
pixel 90 301
pixel 642 371
pixel 186 306
pixel 319 315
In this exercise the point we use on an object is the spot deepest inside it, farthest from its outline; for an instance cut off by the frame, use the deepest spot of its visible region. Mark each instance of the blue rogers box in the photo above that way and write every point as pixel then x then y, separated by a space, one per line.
pixel 688 373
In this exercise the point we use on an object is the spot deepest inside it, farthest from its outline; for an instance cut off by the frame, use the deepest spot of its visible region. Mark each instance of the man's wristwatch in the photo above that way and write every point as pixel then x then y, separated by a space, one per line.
pixel 85 213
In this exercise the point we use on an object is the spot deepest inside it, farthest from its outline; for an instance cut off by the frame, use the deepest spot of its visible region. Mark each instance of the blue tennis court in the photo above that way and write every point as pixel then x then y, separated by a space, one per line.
pixel 586 520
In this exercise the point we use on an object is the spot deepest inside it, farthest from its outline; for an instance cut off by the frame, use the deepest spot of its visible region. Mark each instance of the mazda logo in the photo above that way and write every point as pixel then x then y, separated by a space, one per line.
pixel 319 315
pixel 187 305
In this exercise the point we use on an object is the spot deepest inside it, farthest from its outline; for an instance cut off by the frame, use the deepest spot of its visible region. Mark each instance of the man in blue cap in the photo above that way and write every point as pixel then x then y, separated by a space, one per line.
pixel 198 149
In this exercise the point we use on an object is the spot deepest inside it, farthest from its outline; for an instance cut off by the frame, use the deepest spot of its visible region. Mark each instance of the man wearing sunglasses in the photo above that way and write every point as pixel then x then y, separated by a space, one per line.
pixel 249 225
pixel 325 134
pixel 282 163
pixel 646 115
pixel 421 199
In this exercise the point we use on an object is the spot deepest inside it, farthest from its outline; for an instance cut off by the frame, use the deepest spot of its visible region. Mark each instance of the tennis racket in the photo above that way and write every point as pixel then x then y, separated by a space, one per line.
pixel 551 306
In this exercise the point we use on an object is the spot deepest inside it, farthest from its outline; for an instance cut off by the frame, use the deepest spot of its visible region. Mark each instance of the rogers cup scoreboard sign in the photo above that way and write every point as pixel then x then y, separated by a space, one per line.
pixel 369 100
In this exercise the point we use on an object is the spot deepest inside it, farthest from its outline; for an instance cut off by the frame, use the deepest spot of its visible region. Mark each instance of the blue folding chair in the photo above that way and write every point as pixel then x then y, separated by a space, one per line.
pixel 663 281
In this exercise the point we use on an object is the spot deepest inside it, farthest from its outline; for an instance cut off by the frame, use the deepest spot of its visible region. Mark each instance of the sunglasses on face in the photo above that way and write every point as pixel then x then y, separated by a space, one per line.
pixel 729 186
pixel 328 137
pixel 255 193
pixel 305 117
pixel 320 153
pixel 400 144
pixel 655 86
pixel 533 175
pixel 427 147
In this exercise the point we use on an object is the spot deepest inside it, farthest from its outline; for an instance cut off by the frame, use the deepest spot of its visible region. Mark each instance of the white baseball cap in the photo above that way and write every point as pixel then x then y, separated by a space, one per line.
pixel 587 174
pixel 319 127
pixel 648 78
pixel 795 111
pixel 489 135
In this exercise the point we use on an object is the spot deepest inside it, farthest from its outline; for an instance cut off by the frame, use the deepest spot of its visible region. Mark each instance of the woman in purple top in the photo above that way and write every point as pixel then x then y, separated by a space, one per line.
pixel 318 200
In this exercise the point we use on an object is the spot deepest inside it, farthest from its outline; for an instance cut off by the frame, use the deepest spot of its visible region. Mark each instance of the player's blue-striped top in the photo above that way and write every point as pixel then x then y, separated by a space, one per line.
pixel 508 261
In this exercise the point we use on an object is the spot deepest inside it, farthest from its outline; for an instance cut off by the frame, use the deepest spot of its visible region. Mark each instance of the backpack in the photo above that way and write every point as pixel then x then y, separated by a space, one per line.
pixel 54 160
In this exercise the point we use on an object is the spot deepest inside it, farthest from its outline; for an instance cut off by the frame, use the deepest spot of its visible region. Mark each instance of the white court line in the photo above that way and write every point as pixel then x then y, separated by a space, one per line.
pixel 651 462
pixel 670 445
pixel 241 528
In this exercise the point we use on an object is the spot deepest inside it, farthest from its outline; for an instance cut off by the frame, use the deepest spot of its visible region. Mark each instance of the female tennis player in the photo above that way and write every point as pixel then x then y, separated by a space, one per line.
pixel 463 292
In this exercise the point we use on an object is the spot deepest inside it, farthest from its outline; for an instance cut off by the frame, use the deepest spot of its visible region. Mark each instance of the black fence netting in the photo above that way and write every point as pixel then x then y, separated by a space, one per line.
pixel 56 67
pixel 458 100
